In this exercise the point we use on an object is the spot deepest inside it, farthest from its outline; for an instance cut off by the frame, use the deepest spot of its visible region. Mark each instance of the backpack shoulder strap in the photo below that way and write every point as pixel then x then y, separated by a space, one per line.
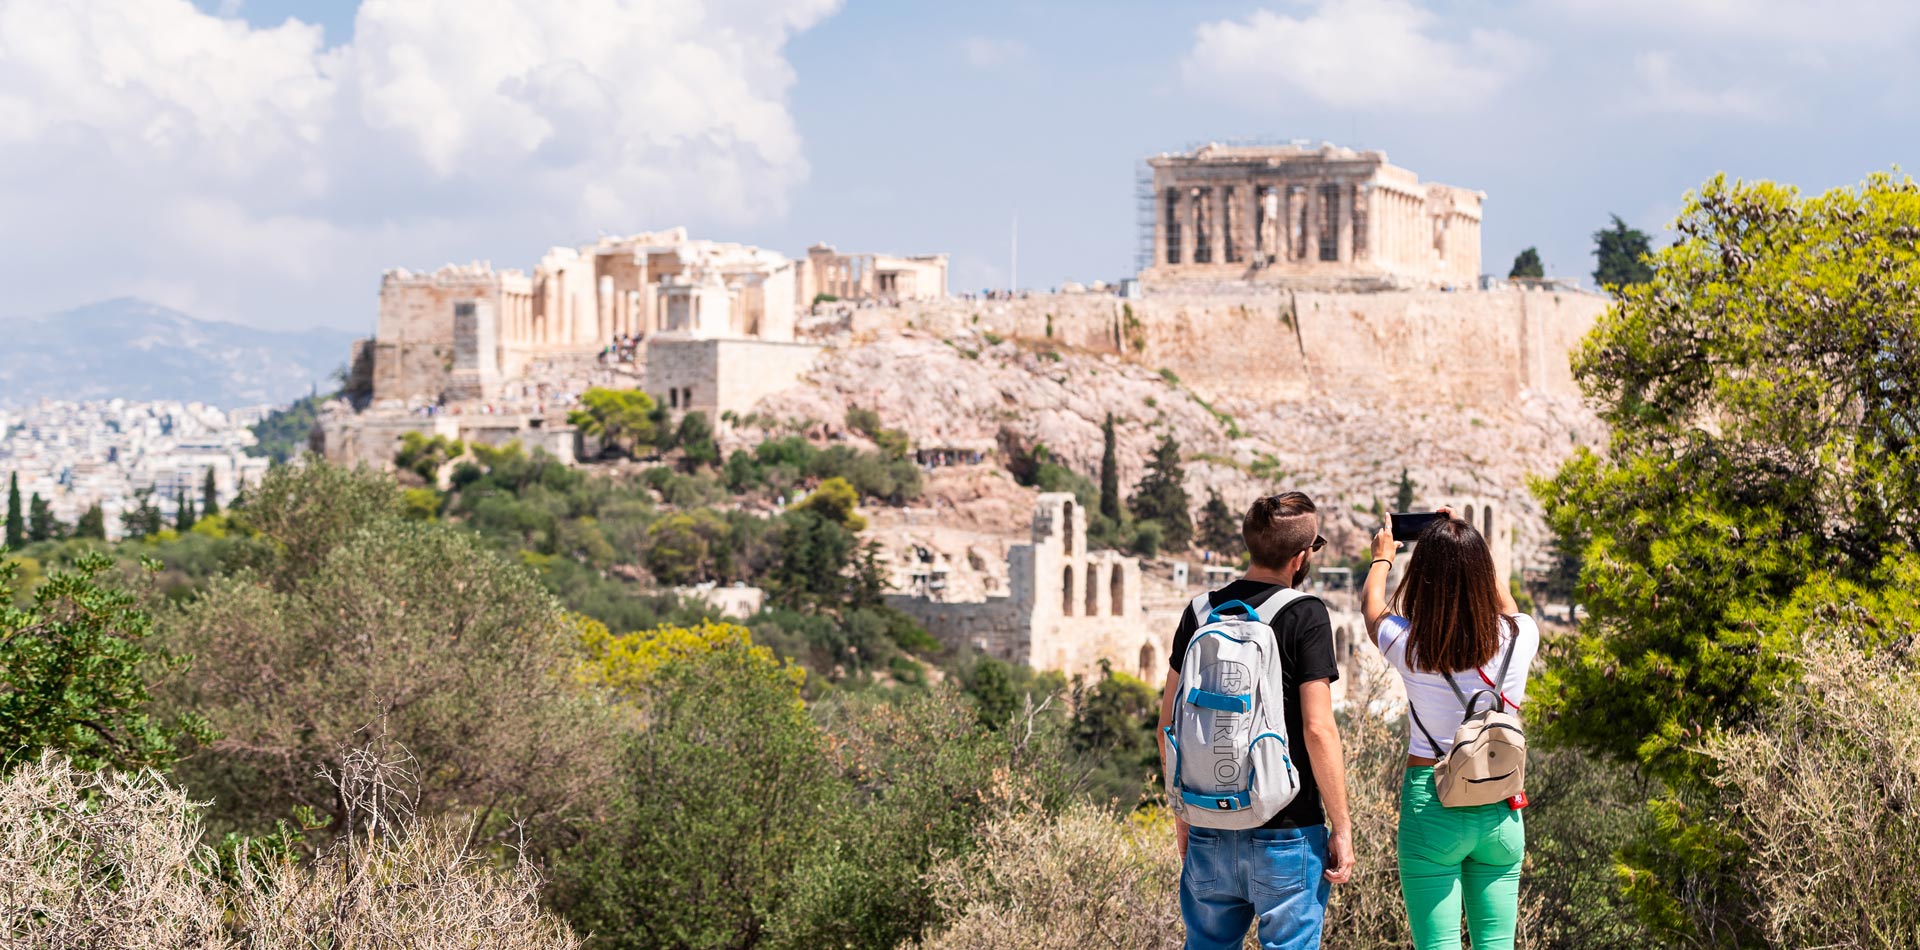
pixel 1415 716
pixel 1278 600
pixel 1200 608
pixel 1506 663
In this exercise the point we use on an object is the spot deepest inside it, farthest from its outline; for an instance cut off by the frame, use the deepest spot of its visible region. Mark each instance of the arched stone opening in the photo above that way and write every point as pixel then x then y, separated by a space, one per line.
pixel 1486 517
pixel 1066 591
pixel 1093 591
pixel 1147 659
pixel 1066 528
pixel 1117 591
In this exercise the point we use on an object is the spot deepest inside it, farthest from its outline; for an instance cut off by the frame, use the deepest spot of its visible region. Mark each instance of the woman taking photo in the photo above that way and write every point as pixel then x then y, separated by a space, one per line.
pixel 1452 628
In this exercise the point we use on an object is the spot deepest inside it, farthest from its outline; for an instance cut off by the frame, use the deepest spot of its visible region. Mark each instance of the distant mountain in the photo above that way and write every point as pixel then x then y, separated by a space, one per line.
pixel 129 348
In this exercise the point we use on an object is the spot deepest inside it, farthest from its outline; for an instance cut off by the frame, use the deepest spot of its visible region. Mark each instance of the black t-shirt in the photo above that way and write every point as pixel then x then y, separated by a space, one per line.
pixel 1305 635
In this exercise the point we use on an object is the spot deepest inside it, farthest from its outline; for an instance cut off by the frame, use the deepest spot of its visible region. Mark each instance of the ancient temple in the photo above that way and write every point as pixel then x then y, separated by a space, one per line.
pixel 1321 217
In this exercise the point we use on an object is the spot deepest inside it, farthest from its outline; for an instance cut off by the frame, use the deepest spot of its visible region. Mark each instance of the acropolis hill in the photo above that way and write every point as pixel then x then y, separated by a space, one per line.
pixel 1312 317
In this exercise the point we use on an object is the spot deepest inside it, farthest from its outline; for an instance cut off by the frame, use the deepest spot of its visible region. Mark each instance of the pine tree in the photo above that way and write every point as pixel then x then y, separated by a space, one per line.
pixel 209 497
pixel 1527 264
pixel 183 518
pixel 1219 529
pixel 1621 253
pixel 16 523
pixel 41 524
pixel 145 518
pixel 1109 474
pixel 92 523
pixel 1403 499
pixel 1161 496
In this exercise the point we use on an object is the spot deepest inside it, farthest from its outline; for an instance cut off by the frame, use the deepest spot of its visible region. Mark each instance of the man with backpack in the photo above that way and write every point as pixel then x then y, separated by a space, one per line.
pixel 1252 756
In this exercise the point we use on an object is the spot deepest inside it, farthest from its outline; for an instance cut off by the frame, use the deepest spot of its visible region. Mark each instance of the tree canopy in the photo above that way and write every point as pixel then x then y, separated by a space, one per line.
pixel 1527 264
pixel 621 417
pixel 1620 253
pixel 1761 471
pixel 1161 496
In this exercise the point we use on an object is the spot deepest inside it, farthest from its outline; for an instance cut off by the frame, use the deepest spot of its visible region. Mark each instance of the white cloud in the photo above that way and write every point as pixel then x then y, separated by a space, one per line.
pixel 145 143
pixel 1847 23
pixel 987 52
pixel 1664 89
pixel 1351 53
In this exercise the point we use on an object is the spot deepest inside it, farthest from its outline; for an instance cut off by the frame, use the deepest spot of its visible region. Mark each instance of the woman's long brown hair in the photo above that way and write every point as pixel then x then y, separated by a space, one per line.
pixel 1451 600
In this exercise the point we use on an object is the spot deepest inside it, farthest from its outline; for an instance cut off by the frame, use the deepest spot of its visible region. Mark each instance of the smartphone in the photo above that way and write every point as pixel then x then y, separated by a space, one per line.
pixel 1407 525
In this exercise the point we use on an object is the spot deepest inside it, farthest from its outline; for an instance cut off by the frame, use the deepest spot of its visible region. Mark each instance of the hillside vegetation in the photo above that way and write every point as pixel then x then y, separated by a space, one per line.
pixel 464 706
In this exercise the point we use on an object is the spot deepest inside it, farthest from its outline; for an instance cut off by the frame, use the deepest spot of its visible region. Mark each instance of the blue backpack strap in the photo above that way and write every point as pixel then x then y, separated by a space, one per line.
pixel 1231 607
pixel 1224 702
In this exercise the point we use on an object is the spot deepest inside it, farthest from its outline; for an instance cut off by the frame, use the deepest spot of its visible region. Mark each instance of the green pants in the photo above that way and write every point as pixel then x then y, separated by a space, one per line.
pixel 1450 857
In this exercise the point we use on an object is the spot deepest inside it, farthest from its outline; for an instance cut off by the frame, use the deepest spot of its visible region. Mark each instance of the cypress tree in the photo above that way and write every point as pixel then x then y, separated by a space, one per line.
pixel 1219 529
pixel 1403 499
pixel 1109 474
pixel 16 523
pixel 41 525
pixel 92 523
pixel 183 519
pixel 209 497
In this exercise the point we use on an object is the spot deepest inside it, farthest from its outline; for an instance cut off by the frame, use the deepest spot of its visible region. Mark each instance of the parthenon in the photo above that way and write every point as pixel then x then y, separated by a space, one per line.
pixel 1325 217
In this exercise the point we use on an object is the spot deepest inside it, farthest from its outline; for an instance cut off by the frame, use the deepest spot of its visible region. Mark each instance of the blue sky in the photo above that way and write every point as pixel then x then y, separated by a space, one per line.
pixel 248 168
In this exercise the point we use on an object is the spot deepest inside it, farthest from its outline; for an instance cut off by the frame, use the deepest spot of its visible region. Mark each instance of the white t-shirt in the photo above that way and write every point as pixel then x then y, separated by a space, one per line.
pixel 1428 693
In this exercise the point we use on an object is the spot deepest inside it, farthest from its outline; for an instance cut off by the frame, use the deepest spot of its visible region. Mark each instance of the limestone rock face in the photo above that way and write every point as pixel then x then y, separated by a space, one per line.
pixel 1344 449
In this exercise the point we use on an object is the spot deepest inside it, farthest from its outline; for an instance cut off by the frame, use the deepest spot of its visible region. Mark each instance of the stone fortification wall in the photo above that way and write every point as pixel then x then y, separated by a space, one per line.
pixel 996 626
pixel 413 349
pixel 1472 348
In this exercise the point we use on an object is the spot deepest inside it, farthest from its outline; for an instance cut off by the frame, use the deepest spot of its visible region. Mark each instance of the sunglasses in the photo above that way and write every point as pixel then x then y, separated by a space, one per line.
pixel 1319 542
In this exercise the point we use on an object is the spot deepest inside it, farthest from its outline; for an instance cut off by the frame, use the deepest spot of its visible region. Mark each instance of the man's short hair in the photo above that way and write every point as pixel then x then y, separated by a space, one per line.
pixel 1279 527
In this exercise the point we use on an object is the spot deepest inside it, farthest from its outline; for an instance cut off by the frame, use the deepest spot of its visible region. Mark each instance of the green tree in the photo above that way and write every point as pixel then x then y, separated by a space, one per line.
pixel 1113 726
pixel 717 799
pixel 695 436
pixel 209 496
pixel 1759 390
pixel 816 555
pixel 1527 264
pixel 1403 495
pixel 424 455
pixel 41 524
pixel 16 522
pixel 1161 496
pixel 623 418
pixel 74 669
pixel 1219 529
pixel 144 519
pixel 1109 473
pixel 836 501
pixel 682 547
pixel 360 623
pixel 1621 252
pixel 92 523
pixel 183 515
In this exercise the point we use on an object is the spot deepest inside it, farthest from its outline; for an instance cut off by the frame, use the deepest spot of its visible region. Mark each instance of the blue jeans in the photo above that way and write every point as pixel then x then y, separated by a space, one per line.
pixel 1275 874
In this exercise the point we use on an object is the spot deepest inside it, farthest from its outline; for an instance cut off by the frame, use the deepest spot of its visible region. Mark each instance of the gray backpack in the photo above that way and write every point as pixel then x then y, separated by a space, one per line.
pixel 1227 764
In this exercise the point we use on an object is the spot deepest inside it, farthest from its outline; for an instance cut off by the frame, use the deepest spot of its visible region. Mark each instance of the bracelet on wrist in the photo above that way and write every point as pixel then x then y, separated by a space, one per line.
pixel 1381 560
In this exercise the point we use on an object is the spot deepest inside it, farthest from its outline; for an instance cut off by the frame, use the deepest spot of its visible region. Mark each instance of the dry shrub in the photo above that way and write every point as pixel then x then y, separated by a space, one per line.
pixel 1826 790
pixel 1367 912
pixel 100 859
pixel 1082 878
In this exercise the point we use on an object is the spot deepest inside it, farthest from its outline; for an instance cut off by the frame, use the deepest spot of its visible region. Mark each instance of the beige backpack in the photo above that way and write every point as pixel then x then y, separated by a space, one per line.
pixel 1488 761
